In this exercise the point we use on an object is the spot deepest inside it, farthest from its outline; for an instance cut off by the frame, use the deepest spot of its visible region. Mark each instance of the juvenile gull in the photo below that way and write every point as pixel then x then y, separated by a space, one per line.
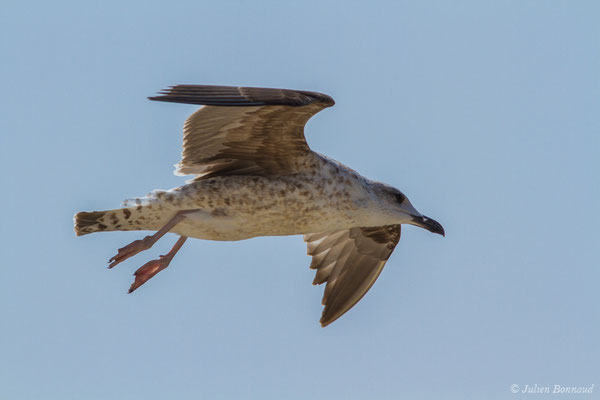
pixel 256 176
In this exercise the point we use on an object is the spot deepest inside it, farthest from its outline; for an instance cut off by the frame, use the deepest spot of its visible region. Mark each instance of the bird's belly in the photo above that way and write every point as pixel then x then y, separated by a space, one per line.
pixel 236 208
pixel 206 225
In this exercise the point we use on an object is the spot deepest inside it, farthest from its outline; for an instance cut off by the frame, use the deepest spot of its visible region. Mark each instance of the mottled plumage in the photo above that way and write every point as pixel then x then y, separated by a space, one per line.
pixel 256 176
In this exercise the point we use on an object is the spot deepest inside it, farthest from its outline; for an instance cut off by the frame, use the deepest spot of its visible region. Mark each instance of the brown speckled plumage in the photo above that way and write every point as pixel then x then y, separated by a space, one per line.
pixel 256 176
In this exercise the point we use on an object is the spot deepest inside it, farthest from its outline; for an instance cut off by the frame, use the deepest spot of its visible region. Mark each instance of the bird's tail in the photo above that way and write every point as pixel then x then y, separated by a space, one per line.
pixel 122 219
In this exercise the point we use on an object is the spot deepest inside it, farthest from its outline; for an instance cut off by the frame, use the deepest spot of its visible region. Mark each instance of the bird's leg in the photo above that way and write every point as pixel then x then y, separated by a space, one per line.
pixel 144 244
pixel 151 268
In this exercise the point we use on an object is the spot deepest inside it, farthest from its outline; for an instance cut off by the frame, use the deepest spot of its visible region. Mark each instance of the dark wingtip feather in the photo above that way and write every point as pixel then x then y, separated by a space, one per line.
pixel 324 321
pixel 240 96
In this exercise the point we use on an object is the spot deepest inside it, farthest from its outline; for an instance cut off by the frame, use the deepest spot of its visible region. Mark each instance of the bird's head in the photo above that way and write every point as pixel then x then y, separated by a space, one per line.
pixel 399 209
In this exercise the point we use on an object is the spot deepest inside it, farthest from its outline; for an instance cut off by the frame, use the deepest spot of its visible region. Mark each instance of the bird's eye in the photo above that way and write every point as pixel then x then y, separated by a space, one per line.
pixel 400 197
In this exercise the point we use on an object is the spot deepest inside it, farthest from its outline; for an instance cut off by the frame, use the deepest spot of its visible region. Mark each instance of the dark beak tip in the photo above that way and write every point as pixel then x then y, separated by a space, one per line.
pixel 430 224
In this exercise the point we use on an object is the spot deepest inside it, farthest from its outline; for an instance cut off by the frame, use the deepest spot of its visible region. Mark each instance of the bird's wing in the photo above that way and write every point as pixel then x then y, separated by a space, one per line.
pixel 350 261
pixel 244 130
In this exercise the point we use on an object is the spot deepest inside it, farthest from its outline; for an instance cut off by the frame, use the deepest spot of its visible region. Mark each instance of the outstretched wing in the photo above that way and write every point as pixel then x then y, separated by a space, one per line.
pixel 349 261
pixel 244 130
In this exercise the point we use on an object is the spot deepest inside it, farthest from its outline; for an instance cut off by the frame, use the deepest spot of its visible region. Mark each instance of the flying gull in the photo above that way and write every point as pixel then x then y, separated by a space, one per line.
pixel 254 175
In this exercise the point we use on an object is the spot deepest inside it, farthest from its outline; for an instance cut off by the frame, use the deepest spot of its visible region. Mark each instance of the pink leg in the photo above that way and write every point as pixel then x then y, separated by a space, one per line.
pixel 144 244
pixel 153 267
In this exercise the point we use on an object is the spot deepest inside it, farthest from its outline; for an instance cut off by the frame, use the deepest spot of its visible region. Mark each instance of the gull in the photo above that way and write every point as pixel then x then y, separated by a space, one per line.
pixel 255 175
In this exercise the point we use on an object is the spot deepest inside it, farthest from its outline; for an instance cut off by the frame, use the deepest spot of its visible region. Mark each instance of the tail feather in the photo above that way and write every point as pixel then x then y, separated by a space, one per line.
pixel 124 219
pixel 88 222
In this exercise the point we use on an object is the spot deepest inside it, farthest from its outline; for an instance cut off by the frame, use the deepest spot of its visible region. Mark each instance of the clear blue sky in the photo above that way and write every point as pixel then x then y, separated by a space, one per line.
pixel 486 114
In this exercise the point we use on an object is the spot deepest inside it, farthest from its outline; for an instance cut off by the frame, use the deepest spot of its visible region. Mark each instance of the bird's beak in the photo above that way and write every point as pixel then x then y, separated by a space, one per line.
pixel 427 223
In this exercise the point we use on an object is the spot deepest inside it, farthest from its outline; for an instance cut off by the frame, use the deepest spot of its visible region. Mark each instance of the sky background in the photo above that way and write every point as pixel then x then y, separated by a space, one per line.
pixel 485 114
